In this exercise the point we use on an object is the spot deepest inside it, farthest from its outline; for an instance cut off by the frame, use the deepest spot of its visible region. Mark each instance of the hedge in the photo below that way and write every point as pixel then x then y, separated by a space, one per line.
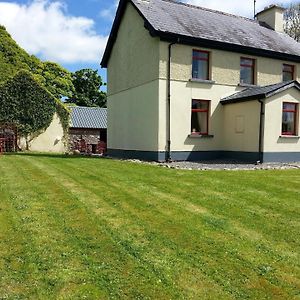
pixel 24 102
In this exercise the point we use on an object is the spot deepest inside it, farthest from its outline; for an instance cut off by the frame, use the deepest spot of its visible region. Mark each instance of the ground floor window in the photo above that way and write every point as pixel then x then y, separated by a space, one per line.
pixel 200 117
pixel 289 118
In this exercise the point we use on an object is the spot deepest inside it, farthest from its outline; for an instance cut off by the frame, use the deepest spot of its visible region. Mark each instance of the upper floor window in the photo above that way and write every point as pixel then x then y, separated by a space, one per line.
pixel 287 72
pixel 200 117
pixel 200 65
pixel 247 70
pixel 289 118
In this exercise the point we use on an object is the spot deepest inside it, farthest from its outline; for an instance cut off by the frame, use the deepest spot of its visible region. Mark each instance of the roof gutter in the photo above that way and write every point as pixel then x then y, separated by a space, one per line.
pixel 212 44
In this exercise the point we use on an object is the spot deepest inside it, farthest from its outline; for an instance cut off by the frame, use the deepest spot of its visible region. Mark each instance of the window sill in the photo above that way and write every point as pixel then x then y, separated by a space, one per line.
pixel 289 137
pixel 247 85
pixel 200 136
pixel 202 81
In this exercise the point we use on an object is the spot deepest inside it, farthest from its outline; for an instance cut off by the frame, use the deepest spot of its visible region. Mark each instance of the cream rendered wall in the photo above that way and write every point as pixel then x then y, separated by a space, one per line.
pixel 51 140
pixel 241 126
pixel 225 72
pixel 133 119
pixel 135 56
pixel 273 120
pixel 182 94
pixel 133 71
pixel 225 66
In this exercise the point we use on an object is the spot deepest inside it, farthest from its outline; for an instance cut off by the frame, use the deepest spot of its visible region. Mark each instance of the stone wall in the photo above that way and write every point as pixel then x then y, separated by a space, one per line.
pixel 91 138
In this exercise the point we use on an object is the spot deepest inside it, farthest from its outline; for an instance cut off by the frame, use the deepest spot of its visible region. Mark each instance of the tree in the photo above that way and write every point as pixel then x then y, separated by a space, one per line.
pixel 292 21
pixel 52 76
pixel 56 80
pixel 87 84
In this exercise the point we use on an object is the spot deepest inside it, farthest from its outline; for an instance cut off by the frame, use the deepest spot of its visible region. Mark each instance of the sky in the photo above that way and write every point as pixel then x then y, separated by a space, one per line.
pixel 74 33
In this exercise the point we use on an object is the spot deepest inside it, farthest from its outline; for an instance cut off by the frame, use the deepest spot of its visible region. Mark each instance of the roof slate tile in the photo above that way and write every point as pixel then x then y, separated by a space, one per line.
pixel 197 22
pixel 260 92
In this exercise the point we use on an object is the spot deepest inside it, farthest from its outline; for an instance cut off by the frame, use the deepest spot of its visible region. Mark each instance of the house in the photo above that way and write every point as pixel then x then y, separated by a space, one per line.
pixel 190 83
pixel 88 129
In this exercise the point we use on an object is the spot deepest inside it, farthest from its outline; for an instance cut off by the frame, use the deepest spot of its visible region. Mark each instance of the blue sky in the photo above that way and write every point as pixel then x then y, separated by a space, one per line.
pixel 74 32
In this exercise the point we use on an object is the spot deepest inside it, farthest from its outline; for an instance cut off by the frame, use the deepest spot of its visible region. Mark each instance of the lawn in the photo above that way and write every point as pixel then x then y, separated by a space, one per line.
pixel 83 228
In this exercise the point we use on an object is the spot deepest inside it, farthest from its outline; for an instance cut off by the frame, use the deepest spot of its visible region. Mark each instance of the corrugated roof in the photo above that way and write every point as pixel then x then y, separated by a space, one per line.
pixel 88 117
pixel 260 92
pixel 195 25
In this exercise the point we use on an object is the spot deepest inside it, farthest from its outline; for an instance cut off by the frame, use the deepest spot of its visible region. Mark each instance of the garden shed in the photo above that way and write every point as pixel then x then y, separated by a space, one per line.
pixel 31 118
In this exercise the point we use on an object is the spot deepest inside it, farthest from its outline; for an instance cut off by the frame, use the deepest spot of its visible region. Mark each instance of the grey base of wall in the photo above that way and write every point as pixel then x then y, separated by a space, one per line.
pixel 204 155
pixel 282 157
pixel 135 154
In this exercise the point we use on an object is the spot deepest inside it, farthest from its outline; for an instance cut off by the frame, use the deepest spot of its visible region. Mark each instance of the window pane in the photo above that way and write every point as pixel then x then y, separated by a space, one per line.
pixel 196 104
pixel 288 123
pixel 199 54
pixel 288 68
pixel 248 62
pixel 289 106
pixel 199 122
pixel 247 75
pixel 200 69
pixel 286 76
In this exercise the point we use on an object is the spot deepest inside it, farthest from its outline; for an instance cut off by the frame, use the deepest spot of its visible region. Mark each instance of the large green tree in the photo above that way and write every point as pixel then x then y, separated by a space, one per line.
pixel 87 84
pixel 52 76
pixel 292 21
pixel 56 79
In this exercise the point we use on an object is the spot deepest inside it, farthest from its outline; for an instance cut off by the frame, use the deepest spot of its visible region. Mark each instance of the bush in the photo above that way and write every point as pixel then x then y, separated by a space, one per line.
pixel 24 102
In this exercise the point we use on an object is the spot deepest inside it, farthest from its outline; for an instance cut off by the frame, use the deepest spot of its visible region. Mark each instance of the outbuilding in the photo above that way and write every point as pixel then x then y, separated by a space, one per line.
pixel 88 129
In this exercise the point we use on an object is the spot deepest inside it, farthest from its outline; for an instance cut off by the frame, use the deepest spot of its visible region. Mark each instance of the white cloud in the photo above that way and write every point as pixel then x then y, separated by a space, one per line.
pixel 45 29
pixel 239 7
pixel 109 13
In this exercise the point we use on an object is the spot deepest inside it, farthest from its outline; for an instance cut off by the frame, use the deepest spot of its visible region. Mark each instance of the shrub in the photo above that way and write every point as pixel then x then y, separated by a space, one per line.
pixel 24 102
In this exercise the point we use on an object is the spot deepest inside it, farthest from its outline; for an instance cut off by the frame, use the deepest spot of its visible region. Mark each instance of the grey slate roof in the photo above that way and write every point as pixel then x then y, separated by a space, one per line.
pixel 88 117
pixel 260 92
pixel 194 25
pixel 194 21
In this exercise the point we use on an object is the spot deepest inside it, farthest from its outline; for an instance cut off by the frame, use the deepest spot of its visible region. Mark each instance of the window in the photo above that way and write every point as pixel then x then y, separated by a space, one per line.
pixel 200 65
pixel 247 70
pixel 287 72
pixel 289 118
pixel 200 117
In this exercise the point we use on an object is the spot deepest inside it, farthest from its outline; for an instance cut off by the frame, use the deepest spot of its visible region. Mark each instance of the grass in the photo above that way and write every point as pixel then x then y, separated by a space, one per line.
pixel 81 228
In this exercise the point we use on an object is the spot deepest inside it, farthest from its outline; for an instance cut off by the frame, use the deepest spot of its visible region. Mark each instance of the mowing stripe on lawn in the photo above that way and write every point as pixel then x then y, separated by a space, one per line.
pixel 137 231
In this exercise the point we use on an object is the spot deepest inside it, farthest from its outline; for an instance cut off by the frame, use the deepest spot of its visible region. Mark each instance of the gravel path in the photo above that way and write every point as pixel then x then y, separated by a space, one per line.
pixel 223 165
pixel 230 165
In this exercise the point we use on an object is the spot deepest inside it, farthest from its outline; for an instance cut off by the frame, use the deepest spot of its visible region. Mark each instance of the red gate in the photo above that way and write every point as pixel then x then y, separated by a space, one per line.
pixel 8 138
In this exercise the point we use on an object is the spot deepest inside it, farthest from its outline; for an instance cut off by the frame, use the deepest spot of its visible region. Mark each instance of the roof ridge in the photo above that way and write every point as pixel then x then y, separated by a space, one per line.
pixel 279 83
pixel 209 10
pixel 89 107
pixel 269 85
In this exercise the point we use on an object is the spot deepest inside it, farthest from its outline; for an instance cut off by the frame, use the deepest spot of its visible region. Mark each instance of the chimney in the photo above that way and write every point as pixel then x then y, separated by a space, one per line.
pixel 272 16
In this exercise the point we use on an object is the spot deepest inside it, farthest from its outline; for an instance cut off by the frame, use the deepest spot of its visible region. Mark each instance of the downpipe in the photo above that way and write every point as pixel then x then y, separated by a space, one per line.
pixel 168 146
pixel 261 131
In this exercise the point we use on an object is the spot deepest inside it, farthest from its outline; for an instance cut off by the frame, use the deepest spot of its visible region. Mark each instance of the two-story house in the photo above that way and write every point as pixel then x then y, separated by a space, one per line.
pixel 190 83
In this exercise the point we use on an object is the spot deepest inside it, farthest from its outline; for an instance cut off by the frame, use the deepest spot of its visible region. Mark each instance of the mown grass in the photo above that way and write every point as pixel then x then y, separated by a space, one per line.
pixel 81 228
